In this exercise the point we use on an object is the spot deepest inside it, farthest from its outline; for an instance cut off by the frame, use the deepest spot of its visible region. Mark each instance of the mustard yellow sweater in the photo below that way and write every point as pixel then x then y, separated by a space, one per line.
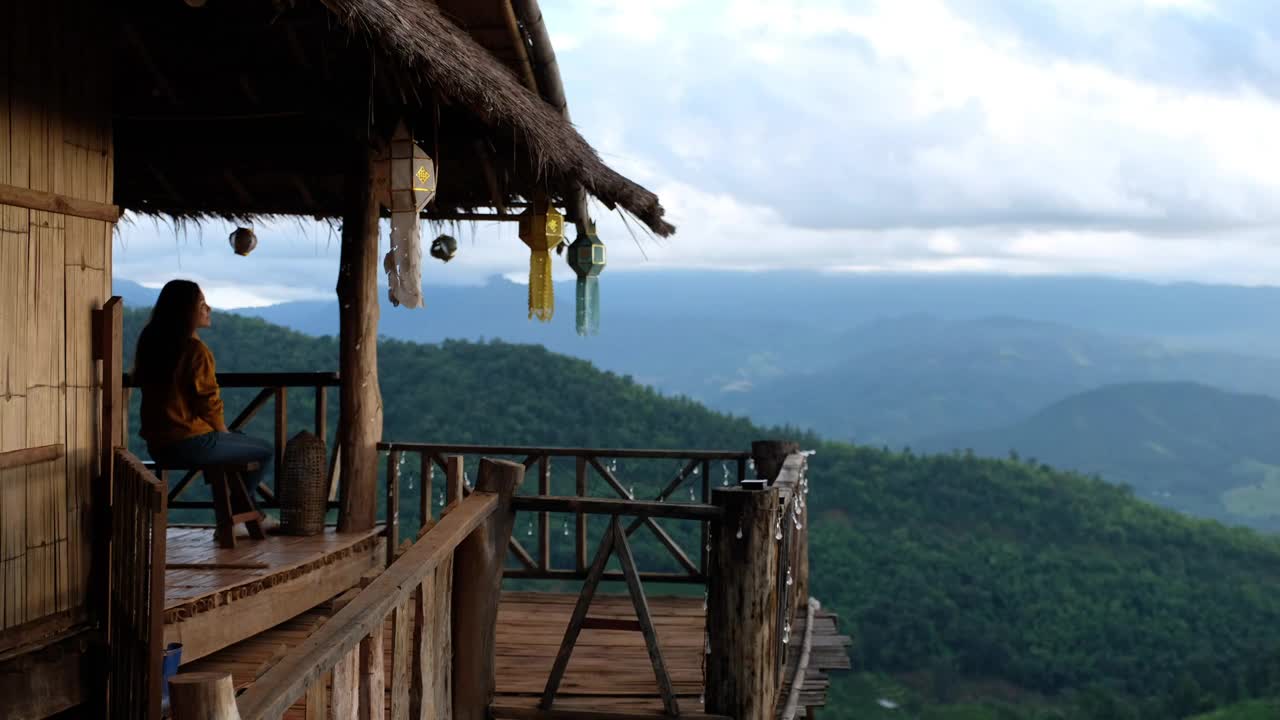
pixel 190 405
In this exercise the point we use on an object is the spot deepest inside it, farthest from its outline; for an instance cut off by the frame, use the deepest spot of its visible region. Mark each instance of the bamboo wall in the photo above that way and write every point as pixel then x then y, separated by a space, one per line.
pixel 55 269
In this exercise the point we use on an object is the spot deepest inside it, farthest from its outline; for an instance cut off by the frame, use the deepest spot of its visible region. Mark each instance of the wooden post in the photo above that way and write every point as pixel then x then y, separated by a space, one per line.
pixel 361 400
pixel 477 586
pixel 372 678
pixel 742 606
pixel 770 456
pixel 203 696
pixel 322 414
pixel 455 479
pixel 281 428
pixel 393 505
pixel 580 522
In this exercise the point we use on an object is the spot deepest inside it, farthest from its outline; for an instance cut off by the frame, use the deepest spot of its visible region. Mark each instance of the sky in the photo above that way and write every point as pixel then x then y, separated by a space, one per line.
pixel 1133 138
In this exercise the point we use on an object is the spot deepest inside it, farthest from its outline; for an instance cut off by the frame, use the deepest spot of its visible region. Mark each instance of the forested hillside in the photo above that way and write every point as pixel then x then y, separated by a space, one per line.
pixel 976 588
pixel 1191 447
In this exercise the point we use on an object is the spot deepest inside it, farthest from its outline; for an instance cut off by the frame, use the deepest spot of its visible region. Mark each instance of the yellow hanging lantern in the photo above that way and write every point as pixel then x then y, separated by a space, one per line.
pixel 542 232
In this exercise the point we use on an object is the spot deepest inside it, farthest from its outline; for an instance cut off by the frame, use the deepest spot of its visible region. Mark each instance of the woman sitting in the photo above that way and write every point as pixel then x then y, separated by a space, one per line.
pixel 181 418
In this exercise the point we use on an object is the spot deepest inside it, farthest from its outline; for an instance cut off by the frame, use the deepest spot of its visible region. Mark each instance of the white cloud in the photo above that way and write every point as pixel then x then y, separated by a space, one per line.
pixel 1130 137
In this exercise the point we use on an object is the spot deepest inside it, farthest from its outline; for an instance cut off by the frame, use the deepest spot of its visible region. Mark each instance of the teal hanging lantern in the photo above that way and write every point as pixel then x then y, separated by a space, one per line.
pixel 587 258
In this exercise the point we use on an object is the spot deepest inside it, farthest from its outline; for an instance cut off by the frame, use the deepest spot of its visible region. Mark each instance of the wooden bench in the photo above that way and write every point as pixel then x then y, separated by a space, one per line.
pixel 232 501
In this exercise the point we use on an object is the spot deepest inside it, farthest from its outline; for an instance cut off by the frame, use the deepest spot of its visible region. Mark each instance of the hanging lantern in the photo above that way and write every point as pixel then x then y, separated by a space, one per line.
pixel 243 241
pixel 444 248
pixel 406 185
pixel 542 232
pixel 587 258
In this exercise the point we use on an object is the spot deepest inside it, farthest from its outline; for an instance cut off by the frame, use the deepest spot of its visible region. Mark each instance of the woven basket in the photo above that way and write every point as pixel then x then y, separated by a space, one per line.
pixel 301 486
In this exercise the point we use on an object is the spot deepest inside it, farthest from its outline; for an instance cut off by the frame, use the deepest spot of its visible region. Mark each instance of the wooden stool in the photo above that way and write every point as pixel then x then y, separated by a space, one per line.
pixel 229 493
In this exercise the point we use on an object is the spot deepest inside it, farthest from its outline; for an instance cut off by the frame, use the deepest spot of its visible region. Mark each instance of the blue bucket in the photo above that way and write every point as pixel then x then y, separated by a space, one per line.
pixel 169 668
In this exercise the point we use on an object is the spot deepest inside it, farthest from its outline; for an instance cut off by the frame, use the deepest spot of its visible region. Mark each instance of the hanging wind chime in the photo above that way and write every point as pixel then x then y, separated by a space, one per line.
pixel 542 229
pixel 587 258
pixel 406 183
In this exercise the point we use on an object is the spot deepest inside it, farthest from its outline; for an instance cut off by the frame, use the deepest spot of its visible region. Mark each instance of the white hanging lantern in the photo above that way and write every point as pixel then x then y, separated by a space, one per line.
pixel 407 185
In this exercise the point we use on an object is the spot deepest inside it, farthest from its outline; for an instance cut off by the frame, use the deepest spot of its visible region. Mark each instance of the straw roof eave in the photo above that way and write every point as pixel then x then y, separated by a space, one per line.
pixel 448 61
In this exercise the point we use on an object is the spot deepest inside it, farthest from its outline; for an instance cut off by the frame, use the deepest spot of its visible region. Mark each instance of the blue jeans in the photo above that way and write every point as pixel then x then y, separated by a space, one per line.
pixel 217 447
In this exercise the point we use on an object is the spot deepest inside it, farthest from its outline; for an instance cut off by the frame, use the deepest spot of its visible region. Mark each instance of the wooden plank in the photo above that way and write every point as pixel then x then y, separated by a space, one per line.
pixel 441 697
pixel 205 632
pixel 401 659
pixel 31 456
pixel 62 204
pixel 14 370
pixel 276 690
pixel 596 623
pixel 345 699
pixel 669 702
pixel 608 506
pixel 372 678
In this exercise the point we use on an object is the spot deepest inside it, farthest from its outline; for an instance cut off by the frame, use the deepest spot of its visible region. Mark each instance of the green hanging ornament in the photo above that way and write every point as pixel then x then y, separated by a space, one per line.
pixel 587 258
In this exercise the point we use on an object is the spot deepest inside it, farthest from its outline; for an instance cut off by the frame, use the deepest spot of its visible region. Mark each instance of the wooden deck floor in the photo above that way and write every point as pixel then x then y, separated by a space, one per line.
pixel 610 669
pixel 210 604
pixel 609 672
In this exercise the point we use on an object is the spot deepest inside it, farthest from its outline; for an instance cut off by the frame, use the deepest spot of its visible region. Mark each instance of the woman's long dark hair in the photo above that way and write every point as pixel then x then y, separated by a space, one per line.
pixel 160 344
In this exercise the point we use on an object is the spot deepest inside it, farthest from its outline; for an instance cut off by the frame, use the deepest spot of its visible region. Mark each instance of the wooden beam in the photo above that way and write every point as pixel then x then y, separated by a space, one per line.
pixel 361 400
pixel 606 506
pixel 526 450
pixel 477 589
pixel 579 616
pixel 521 712
pixel 30 456
pixel 319 653
pixel 61 204
pixel 641 603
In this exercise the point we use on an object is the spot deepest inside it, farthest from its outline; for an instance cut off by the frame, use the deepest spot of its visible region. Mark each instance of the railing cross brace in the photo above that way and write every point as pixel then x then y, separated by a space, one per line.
pixel 615 540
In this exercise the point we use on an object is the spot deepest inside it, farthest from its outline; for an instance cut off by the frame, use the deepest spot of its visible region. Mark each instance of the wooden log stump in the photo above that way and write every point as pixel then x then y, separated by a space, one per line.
pixel 742 606
pixel 770 456
pixel 203 696
pixel 477 585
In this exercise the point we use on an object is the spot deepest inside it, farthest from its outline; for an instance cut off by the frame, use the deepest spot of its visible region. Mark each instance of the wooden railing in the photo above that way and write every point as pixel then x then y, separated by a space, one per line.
pixel 135 630
pixel 440 592
pixel 440 597
pixel 758 585
pixel 273 388
pixel 598 465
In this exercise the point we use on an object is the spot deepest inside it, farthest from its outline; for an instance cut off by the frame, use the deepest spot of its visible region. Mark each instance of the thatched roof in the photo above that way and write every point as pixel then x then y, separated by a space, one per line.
pixel 241 108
